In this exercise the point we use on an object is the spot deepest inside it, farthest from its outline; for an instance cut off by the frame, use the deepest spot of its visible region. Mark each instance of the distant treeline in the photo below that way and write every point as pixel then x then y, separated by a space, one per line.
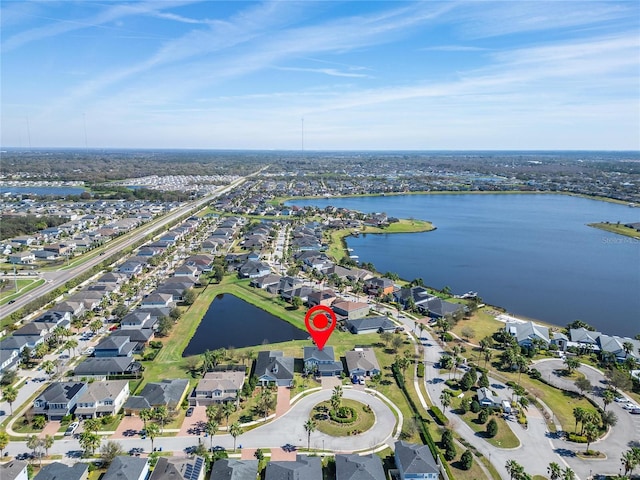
pixel 113 192
pixel 14 225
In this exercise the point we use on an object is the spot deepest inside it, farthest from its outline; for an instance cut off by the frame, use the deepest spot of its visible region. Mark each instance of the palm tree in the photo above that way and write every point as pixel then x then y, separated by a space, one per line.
pixel 629 461
pixel 591 432
pixel 47 443
pixel 568 474
pixel 421 327
pixel 145 415
pixel 627 347
pixel 95 325
pixel 4 441
pixel 227 409
pixel 514 469
pixel 48 366
pixel 213 412
pixel 310 427
pixel 9 395
pixel 211 427
pixel 70 345
pixel 607 397
pixel 266 402
pixel 161 413
pixel 152 432
pixel 554 470
pixel 578 414
pixel 487 356
pixel 235 431
pixel 572 364
pixel 445 399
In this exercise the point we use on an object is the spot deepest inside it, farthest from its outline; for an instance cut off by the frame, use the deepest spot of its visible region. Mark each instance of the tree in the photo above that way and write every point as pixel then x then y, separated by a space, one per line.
pixel 554 470
pixel 466 460
pixel 514 469
pixel 9 395
pixel 310 427
pixel 487 356
pixel 95 325
pixel 77 323
pixel 48 366
pixel 211 427
pixel 266 402
pixel 152 431
pixel 70 345
pixel 386 338
pixel 619 379
pixel 591 432
pixel 161 414
pixel 4 441
pixel 89 441
pixel 627 347
pixel 235 431
pixel 92 425
pixel 47 443
pixel 111 450
pixel 568 474
pixel 571 364
pixel 630 460
pixel 445 399
pixel 583 384
pixel 146 414
pixel 492 428
pixel 484 380
pixel 227 409
pixel 296 302
pixel 189 296
pixel 165 324
pixel 467 333
pixel 33 443
pixel 578 415
pixel 396 342
pixel 607 397
pixel 609 419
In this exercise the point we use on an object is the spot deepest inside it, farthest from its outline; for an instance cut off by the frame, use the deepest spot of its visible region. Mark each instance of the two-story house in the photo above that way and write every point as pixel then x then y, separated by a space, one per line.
pixel 321 362
pixel 59 399
pixel 218 387
pixel 103 398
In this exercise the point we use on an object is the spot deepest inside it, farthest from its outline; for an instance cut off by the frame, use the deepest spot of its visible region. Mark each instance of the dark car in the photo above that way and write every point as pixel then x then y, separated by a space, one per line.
pixel 189 411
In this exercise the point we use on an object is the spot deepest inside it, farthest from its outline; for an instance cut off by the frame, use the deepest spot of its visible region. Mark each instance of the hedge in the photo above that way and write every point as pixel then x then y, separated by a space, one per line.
pixel 421 370
pixel 574 437
pixel 438 415
pixel 338 419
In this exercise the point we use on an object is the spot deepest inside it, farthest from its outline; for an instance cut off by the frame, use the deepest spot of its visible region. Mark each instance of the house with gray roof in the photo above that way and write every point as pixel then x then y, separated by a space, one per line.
pixel 218 387
pixel 415 461
pixel 118 346
pixel 359 467
pixel 322 362
pixel 272 367
pixel 585 339
pixel 60 471
pixel 615 345
pixel 168 393
pixel 179 468
pixel 59 399
pixel 378 324
pixel 304 468
pixel 526 333
pixel 486 398
pixel 140 336
pixel 103 398
pixel 127 468
pixel 107 366
pixel 14 470
pixel 362 362
pixel 232 469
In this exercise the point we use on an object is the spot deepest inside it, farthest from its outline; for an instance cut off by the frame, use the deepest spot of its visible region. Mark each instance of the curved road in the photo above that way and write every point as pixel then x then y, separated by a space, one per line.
pixel 286 429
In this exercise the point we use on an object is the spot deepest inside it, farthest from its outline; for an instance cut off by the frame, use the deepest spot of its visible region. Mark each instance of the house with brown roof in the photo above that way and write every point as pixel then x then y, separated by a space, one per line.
pixel 350 310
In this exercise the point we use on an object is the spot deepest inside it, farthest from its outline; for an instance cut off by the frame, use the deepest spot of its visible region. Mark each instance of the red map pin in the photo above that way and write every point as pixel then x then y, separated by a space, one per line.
pixel 319 325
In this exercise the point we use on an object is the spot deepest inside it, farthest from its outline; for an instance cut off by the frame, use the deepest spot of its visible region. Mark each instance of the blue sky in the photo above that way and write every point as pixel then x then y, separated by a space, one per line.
pixel 364 75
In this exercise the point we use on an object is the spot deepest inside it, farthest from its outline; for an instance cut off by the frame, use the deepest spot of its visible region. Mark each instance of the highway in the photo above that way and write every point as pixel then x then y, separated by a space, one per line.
pixel 60 277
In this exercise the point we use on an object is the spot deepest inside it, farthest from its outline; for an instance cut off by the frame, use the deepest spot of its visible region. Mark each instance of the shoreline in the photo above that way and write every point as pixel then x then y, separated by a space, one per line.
pixel 617 229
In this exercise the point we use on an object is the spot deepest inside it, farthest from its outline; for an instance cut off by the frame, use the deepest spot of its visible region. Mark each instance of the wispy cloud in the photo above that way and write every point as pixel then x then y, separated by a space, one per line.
pixel 453 48
pixel 325 71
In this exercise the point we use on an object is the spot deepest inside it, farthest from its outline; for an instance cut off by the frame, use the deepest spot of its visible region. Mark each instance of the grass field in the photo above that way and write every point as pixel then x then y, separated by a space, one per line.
pixel 617 228
pixel 24 286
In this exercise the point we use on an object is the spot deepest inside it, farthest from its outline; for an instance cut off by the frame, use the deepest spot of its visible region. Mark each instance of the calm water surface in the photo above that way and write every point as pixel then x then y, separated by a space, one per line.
pixel 531 254
pixel 232 322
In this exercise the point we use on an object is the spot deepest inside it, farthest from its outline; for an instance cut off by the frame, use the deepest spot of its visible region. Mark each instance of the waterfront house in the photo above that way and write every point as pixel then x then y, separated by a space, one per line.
pixel 415 462
pixel 350 310
pixel 272 367
pixel 614 345
pixel 359 467
pixel 103 398
pixel 127 468
pixel 322 362
pixel 157 300
pixel 379 286
pixel 58 399
pixel 527 333
pixel 584 339
pixel 266 281
pixel 304 468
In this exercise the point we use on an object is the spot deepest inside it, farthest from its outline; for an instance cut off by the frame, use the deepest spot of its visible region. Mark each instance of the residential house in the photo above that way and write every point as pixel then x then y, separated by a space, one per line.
pixel 322 362
pixel 180 468
pixel 321 297
pixel 304 468
pixel 127 468
pixel 60 471
pixel 10 349
pixel 362 362
pixel 486 398
pixel 130 268
pixel 136 320
pixel 103 398
pixel 186 271
pixel 114 347
pixel 379 286
pixel 560 340
pixel 359 467
pixel 377 324
pixel 58 318
pixel 415 462
pixel 44 255
pixel 232 469
pixel 74 308
pixel 621 347
pixel 584 339
pixel 272 367
pixel 528 333
pixel 107 366
pixel 266 281
pixel 157 300
pixel 254 269
pixel 350 310
pixel 140 337
pixel 14 470
pixel 168 393
pixel 59 399
pixel 22 258
pixel 218 387
pixel 300 292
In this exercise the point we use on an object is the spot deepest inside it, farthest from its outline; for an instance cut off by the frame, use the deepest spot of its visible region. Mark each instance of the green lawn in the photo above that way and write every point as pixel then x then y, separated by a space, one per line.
pixel 24 286
pixel 505 437
pixel 618 229
pixel 363 422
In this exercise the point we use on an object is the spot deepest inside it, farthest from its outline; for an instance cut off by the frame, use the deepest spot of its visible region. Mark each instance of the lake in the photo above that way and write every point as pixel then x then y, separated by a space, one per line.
pixel 232 322
pixel 532 254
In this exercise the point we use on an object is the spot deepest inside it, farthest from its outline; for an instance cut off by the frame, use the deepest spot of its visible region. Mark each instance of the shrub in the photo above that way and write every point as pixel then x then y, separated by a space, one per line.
pixel 483 416
pixel 492 428
pixel 450 453
pixel 574 437
pixel 535 374
pixel 421 370
pixel 466 460
pixel 155 344
pixel 447 337
pixel 343 415
pixel 438 415
pixel 475 406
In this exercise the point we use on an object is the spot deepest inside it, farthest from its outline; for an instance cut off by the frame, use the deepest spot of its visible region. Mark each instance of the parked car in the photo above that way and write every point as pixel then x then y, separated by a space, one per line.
pixel 71 428
pixel 189 411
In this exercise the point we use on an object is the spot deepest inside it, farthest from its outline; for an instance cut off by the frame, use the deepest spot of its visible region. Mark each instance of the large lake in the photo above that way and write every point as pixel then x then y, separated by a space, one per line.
pixel 232 322
pixel 532 254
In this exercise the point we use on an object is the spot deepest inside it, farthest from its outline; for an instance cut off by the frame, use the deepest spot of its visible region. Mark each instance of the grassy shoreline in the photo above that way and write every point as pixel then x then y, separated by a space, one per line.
pixel 617 229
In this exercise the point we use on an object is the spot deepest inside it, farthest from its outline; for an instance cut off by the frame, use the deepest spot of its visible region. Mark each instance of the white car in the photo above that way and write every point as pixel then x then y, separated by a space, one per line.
pixel 71 428
pixel 630 406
